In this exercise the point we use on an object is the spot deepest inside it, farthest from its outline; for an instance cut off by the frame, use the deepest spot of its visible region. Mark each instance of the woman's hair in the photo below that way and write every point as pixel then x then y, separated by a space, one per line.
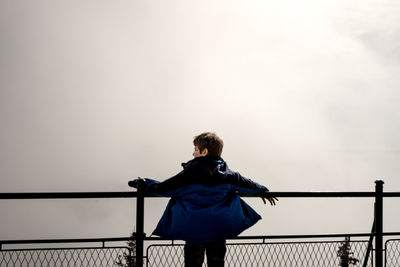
pixel 211 141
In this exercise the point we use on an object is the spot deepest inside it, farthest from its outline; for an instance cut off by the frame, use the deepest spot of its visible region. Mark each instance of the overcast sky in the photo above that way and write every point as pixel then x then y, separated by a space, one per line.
pixel 305 95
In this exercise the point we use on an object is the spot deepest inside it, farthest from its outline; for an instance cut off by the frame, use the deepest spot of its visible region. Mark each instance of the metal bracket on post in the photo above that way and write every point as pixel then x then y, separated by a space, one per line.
pixel 379 223
pixel 140 221
pixel 369 248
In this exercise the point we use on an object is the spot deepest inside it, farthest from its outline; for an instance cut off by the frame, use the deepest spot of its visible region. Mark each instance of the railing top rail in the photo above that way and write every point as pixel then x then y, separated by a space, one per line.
pixel 67 195
pixel 133 194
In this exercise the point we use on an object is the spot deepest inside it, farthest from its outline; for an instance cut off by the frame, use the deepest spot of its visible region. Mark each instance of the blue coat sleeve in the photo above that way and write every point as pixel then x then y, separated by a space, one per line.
pixel 243 184
pixel 151 187
pixel 258 189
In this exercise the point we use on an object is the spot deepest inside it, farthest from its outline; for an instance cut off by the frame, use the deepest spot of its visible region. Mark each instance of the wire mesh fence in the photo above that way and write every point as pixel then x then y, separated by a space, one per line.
pixel 392 256
pixel 283 254
pixel 62 257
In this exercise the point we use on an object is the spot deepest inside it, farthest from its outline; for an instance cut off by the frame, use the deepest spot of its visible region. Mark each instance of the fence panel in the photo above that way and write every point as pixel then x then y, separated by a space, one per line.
pixel 392 253
pixel 283 254
pixel 62 257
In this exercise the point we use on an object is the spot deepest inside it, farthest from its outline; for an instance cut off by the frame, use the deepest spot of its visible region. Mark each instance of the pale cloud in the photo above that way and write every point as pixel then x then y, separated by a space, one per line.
pixel 96 93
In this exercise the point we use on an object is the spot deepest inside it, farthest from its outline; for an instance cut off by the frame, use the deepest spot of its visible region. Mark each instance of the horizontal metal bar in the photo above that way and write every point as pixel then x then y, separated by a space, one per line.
pixel 311 194
pixel 321 194
pixel 300 194
pixel 307 236
pixel 133 194
pixel 283 236
pixel 63 195
pixel 391 194
pixel 118 239
pixel 62 248
pixel 54 241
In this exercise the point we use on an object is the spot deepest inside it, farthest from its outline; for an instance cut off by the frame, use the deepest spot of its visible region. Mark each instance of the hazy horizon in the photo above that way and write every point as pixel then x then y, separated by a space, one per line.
pixel 93 94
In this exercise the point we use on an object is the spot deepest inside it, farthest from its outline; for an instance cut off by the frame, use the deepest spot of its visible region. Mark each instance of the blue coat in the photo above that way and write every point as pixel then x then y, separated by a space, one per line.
pixel 208 211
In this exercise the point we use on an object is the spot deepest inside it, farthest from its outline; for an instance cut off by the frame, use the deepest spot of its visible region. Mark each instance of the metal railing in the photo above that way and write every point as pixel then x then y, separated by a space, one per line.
pixel 392 253
pixel 74 256
pixel 242 251
pixel 259 252
pixel 293 250
pixel 76 252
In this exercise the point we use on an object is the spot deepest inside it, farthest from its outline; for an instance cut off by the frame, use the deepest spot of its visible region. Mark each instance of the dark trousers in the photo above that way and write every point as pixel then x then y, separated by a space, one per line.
pixel 215 251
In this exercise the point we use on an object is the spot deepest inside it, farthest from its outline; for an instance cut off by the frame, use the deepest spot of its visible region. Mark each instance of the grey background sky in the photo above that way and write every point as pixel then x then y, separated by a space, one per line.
pixel 94 93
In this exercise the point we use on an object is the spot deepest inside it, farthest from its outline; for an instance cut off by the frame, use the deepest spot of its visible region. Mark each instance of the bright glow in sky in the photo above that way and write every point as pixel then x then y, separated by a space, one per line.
pixel 94 93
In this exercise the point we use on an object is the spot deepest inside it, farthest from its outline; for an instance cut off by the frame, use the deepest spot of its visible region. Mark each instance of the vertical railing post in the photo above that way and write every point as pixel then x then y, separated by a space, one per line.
pixel 140 222
pixel 378 223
